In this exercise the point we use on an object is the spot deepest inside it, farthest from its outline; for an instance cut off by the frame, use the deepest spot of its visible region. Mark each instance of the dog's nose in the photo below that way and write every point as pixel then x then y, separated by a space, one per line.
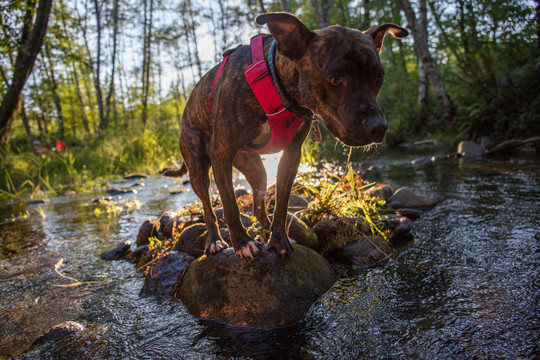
pixel 376 128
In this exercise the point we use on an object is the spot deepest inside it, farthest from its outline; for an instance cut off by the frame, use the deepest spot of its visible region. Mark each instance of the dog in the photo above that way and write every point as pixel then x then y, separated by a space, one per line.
pixel 334 73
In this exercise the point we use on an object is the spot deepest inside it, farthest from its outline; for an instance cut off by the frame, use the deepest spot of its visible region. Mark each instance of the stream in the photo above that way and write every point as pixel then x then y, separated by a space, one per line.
pixel 466 286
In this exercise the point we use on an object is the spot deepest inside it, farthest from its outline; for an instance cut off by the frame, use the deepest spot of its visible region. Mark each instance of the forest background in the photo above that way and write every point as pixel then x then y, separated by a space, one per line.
pixel 109 83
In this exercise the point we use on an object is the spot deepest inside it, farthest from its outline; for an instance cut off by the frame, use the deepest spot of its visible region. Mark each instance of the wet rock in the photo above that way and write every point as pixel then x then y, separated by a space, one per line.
pixel 194 238
pixel 420 161
pixel 37 202
pixel 135 176
pixel 266 292
pixel 325 229
pixel 470 149
pixel 364 251
pixel 148 229
pixel 412 214
pixel 119 191
pixel 162 276
pixel 58 331
pixel 166 217
pixel 406 198
pixel 176 225
pixel 120 251
pixel 399 226
pixel 70 193
pixel 300 232
pixel 221 221
pixel 138 255
pixel 382 191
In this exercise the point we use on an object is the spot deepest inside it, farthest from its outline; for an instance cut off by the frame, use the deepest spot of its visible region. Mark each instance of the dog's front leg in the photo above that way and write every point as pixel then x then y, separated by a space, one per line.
pixel 244 245
pixel 287 169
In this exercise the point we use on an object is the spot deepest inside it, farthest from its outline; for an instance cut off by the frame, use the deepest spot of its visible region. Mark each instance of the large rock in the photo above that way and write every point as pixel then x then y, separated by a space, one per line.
pixel 300 232
pixel 406 198
pixel 266 292
pixel 470 149
pixel 363 251
pixel 162 276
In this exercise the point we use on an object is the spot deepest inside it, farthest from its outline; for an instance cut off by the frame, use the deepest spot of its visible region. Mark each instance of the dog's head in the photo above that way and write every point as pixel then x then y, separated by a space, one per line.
pixel 339 74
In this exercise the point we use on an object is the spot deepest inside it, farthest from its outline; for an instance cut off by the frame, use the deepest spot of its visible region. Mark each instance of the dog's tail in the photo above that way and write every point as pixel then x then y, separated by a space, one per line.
pixel 175 172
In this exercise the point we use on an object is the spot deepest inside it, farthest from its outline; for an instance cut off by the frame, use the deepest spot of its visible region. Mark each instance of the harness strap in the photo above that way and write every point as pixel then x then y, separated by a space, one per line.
pixel 210 103
pixel 283 123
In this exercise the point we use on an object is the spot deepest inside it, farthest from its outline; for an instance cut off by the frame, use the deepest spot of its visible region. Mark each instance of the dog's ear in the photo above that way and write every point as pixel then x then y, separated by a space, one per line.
pixel 291 35
pixel 377 33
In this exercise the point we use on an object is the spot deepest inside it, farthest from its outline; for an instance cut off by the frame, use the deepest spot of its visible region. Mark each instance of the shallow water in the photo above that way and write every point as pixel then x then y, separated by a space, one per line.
pixel 467 286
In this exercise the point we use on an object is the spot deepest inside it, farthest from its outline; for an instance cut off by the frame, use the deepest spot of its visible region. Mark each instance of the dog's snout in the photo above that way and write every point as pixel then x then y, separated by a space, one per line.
pixel 376 128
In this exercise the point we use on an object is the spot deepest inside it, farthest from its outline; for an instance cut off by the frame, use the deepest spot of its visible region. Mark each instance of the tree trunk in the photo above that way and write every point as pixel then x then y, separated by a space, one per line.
pixel 284 5
pixel 113 62
pixel 32 37
pixel 322 12
pixel 147 58
pixel 56 97
pixel 99 96
pixel 366 21
pixel 422 51
pixel 26 124
pixel 84 118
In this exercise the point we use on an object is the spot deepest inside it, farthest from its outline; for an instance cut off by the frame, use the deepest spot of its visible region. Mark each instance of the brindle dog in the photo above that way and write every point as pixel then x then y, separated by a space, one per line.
pixel 334 73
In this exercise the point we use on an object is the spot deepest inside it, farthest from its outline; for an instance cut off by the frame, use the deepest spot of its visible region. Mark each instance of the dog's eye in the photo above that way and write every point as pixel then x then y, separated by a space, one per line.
pixel 380 78
pixel 335 80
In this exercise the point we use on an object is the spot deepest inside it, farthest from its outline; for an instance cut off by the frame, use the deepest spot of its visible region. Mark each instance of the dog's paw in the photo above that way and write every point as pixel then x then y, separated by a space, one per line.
pixel 216 247
pixel 249 250
pixel 281 244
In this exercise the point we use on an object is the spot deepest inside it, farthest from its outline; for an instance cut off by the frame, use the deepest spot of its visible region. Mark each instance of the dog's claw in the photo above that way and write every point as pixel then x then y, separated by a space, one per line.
pixel 281 245
pixel 217 247
pixel 249 250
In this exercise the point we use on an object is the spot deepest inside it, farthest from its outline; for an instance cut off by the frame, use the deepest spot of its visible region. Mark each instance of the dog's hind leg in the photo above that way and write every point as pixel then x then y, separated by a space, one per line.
pixel 198 163
pixel 251 165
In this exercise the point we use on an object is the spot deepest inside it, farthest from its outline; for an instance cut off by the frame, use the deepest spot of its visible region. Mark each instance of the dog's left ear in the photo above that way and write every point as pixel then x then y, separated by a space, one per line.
pixel 291 35
pixel 377 33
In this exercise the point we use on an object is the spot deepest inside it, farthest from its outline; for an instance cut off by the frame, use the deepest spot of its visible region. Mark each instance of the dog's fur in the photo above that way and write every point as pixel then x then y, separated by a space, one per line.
pixel 334 73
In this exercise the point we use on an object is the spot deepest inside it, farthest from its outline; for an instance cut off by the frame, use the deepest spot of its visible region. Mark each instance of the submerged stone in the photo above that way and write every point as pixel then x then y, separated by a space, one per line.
pixel 265 292
pixel 58 331
pixel 364 251
pixel 470 149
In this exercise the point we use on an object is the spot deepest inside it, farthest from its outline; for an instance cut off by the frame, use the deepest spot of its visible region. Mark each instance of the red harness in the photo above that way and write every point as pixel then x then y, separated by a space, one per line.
pixel 283 123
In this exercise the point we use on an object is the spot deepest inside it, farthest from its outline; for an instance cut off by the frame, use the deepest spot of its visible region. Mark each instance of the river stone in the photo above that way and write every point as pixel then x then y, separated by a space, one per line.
pixel 406 198
pixel 221 221
pixel 148 229
pixel 470 149
pixel 398 225
pixel 119 251
pixel 162 277
pixel 194 238
pixel 58 331
pixel 265 292
pixel 382 191
pixel 300 232
pixel 364 251
pixel 177 224
pixel 166 217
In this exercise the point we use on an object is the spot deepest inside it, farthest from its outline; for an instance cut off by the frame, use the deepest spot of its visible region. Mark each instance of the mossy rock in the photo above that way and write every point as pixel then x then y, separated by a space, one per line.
pixel 265 292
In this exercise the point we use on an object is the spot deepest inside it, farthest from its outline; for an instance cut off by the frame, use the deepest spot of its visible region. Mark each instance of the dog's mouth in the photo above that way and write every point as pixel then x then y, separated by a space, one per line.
pixel 369 133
